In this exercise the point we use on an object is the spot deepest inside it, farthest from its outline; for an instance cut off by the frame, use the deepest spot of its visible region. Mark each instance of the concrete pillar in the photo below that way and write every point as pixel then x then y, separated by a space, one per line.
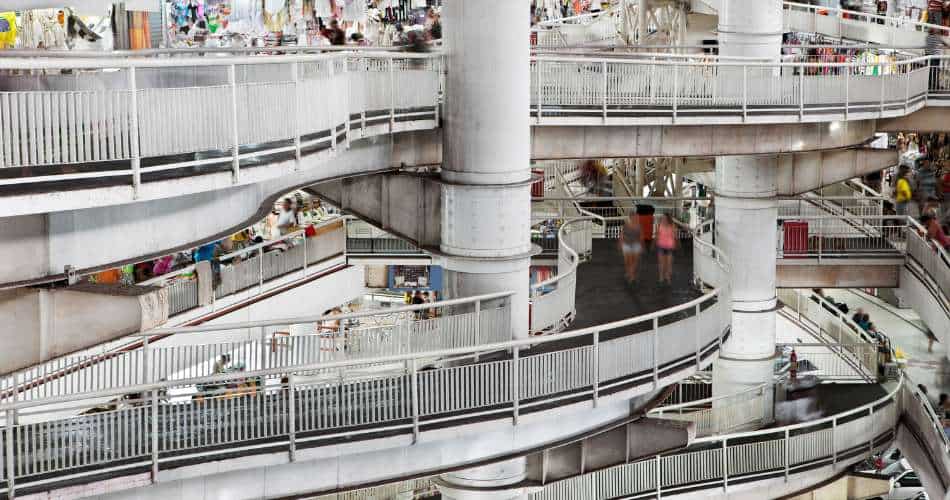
pixel 747 212
pixel 488 482
pixel 486 203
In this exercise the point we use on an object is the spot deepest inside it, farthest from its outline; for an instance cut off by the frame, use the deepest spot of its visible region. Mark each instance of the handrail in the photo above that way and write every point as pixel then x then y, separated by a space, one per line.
pixel 286 237
pixel 199 51
pixel 897 22
pixel 764 432
pixel 52 62
pixel 321 317
pixel 776 63
pixel 660 410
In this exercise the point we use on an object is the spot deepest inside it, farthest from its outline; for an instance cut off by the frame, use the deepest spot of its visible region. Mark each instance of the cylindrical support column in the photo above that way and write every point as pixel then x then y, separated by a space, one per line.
pixel 485 483
pixel 747 211
pixel 486 204
pixel 746 218
pixel 750 28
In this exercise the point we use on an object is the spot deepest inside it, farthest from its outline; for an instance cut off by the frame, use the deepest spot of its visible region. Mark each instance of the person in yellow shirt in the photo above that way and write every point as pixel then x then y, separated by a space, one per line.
pixel 7 30
pixel 903 193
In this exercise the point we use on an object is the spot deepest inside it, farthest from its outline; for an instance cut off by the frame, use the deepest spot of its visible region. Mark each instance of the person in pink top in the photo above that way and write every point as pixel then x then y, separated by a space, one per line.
pixel 666 243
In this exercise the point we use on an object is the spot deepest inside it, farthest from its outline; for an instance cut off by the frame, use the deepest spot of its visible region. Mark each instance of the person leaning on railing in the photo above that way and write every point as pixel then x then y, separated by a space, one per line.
pixel 934 47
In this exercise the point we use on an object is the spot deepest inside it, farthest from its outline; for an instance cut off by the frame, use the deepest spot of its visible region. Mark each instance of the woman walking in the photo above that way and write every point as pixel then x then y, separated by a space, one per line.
pixel 631 246
pixel 666 243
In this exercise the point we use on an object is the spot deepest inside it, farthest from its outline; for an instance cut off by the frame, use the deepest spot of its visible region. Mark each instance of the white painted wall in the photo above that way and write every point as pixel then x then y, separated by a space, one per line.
pixel 42 324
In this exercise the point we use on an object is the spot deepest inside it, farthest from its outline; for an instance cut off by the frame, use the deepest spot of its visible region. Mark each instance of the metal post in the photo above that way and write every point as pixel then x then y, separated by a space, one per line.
pixel 537 66
pixel 658 477
pixel 906 91
pixel 333 125
pixel 656 352
pixel 292 417
pixel 595 368
pixel 260 270
pixel 603 69
pixel 154 430
pixel 263 336
pixel 134 136
pixel 698 341
pixel 392 96
pixel 346 101
pixel 834 444
pixel 414 387
pixel 745 92
pixel 11 469
pixel 871 422
pixel 883 82
pixel 235 137
pixel 515 383
pixel 786 455
pixel 725 467
pixel 295 74
pixel 847 91
pixel 675 89
pixel 306 256
pixel 801 93
pixel 478 315
pixel 821 237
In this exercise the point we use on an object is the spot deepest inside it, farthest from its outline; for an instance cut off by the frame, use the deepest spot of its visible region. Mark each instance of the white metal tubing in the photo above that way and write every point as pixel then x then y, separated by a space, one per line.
pixel 8 453
pixel 515 384
pixel 134 136
pixel 235 136
pixel 414 387
pixel 595 367
pixel 291 391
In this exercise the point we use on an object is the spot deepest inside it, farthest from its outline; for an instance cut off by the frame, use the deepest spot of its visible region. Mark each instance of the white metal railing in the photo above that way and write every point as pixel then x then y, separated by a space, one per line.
pixel 831 362
pixel 599 90
pixel 811 206
pixel 722 414
pixel 716 461
pixel 919 413
pixel 857 25
pixel 296 105
pixel 932 258
pixel 252 266
pixel 553 300
pixel 830 236
pixel 268 344
pixel 278 403
pixel 842 23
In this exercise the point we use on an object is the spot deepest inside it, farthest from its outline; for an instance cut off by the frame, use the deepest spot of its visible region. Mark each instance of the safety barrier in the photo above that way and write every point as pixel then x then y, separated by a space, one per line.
pixel 919 414
pixel 831 236
pixel 830 21
pixel 717 461
pixel 674 89
pixel 142 422
pixel 934 260
pixel 253 266
pixel 553 300
pixel 721 414
pixel 299 104
pixel 269 344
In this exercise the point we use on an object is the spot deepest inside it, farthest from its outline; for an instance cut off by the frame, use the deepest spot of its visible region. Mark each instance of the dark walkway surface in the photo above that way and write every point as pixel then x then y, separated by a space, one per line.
pixel 603 295
pixel 825 400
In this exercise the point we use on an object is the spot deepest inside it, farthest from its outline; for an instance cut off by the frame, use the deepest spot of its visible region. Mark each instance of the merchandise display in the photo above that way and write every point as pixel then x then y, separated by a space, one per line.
pixel 257 23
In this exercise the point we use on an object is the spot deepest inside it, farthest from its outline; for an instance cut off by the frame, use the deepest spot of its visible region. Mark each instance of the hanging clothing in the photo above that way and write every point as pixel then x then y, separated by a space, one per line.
pixel 322 8
pixel 354 10
pixel 7 30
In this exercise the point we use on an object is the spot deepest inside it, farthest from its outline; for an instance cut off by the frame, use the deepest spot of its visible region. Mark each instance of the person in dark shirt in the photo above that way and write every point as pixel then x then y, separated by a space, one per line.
pixel 334 33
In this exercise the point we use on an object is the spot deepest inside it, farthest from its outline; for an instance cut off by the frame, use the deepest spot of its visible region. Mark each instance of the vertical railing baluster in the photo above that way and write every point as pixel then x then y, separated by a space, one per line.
pixel 595 367
pixel 745 92
pixel 11 470
pixel 291 417
pixel 414 388
pixel 134 136
pixel 515 383
pixel 235 137
pixel 392 96
pixel 603 69
pixel 656 352
pixel 295 74
pixel 786 454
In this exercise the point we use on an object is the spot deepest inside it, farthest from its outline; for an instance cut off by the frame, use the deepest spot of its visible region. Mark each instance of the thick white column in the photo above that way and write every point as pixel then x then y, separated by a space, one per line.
pixel 485 483
pixel 746 215
pixel 486 204
pixel 746 210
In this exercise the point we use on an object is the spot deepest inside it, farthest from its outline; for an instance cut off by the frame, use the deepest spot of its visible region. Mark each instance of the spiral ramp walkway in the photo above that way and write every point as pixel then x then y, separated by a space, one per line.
pixel 417 398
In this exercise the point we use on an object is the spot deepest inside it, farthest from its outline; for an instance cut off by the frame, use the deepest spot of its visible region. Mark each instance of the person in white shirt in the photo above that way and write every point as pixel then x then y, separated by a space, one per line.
pixel 287 221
